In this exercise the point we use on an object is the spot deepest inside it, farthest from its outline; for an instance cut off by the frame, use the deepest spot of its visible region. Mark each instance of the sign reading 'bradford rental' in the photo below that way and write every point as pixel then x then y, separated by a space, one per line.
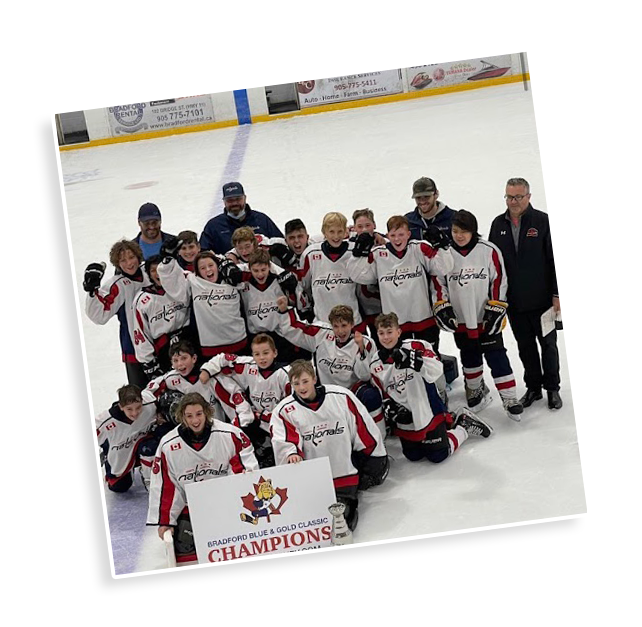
pixel 272 510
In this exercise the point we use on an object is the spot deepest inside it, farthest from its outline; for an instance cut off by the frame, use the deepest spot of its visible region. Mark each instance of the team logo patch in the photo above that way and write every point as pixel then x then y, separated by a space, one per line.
pixel 175 447
pixel 237 399
pixel 289 408
pixel 265 502
pixel 532 233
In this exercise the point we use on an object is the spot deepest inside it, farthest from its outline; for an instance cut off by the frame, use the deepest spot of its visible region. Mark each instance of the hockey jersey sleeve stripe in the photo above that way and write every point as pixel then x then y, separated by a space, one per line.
pixel 308 329
pixel 427 250
pixel 346 482
pixel 236 462
pixel 108 300
pixel 496 284
pixel 168 492
pixel 292 436
pixel 362 431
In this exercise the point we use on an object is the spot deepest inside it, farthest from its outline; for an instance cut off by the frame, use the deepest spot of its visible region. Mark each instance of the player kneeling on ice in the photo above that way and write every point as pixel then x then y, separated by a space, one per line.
pixel 406 372
pixel 329 421
pixel 198 449
pixel 127 438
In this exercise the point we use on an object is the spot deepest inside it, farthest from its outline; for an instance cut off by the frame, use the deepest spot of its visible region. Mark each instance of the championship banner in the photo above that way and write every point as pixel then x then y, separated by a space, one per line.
pixel 344 88
pixel 442 74
pixel 157 115
pixel 272 510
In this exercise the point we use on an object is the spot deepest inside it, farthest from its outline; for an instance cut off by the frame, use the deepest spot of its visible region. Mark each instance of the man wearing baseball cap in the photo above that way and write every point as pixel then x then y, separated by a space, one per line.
pixel 150 236
pixel 217 234
pixel 429 210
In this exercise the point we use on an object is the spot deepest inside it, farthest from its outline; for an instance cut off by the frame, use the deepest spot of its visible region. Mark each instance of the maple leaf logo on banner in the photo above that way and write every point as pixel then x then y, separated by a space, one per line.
pixel 262 504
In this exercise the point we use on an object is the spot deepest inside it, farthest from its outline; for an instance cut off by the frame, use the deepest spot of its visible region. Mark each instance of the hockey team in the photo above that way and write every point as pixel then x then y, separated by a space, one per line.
pixel 250 348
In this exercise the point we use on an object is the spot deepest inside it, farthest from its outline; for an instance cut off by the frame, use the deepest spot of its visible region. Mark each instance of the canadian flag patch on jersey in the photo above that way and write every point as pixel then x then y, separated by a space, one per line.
pixel 532 233
pixel 175 447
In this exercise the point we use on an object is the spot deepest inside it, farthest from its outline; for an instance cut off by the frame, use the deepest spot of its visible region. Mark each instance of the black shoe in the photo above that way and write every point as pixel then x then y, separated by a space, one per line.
pixel 554 399
pixel 530 397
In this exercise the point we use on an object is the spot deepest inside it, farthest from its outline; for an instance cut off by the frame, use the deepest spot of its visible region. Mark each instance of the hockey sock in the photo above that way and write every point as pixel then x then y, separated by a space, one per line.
pixel 506 386
pixel 456 437
pixel 473 377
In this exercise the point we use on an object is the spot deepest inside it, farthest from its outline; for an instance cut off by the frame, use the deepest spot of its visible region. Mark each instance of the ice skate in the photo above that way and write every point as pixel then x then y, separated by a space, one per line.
pixel 472 424
pixel 479 398
pixel 513 408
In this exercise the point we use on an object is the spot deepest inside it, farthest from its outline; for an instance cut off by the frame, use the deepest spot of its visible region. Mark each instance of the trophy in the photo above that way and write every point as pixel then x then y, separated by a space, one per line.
pixel 341 533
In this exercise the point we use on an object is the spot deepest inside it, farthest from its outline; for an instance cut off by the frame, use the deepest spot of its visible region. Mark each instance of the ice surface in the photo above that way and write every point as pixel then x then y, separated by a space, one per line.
pixel 470 143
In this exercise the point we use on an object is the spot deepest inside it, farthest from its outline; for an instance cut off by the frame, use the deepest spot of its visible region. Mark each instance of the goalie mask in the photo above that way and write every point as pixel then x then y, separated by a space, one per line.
pixel 167 403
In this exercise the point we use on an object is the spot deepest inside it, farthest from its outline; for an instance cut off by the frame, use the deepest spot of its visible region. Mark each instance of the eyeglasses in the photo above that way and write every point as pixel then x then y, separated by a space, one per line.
pixel 517 198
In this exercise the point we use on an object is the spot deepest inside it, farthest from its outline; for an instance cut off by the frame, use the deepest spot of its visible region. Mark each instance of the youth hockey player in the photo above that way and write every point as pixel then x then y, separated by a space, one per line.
pixel 125 438
pixel 402 269
pixel 336 348
pixel 329 421
pixel 159 321
pixel 265 383
pixel 199 449
pixel 470 301
pixel 323 271
pixel 188 251
pixel 406 372
pixel 214 295
pixel 115 298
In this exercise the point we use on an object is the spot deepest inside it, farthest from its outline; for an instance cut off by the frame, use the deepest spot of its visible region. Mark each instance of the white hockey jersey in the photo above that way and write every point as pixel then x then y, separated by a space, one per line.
pixel 222 393
pixel 416 391
pixel 156 316
pixel 179 461
pixel 477 277
pixel 119 437
pixel 324 276
pixel 265 388
pixel 259 301
pixel 334 362
pixel 334 426
pixel 403 279
pixel 217 308
pixel 115 297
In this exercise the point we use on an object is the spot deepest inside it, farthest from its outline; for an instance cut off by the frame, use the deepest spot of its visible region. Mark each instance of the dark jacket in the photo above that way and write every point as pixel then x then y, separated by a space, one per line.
pixel 217 234
pixel 532 282
pixel 443 220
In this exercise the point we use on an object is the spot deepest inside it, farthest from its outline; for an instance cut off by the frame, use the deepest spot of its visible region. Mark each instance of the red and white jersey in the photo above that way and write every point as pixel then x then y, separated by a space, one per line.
pixel 333 426
pixel 119 436
pixel 156 316
pixel 118 291
pixel 334 362
pixel 264 388
pixel 416 391
pixel 403 279
pixel 324 275
pixel 369 299
pixel 179 461
pixel 222 393
pixel 259 301
pixel 217 308
pixel 477 277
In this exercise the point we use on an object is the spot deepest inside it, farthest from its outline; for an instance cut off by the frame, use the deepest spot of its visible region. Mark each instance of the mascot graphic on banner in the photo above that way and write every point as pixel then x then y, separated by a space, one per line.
pixel 262 503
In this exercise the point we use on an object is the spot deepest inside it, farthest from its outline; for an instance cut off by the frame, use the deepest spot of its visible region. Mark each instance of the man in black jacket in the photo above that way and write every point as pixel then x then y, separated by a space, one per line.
pixel 523 235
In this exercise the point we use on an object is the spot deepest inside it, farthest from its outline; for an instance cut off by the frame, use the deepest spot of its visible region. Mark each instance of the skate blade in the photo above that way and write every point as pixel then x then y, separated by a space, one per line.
pixel 514 417
pixel 487 400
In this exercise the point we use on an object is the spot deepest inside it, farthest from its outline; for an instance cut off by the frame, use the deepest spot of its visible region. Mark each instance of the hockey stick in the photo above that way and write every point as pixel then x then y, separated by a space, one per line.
pixel 168 540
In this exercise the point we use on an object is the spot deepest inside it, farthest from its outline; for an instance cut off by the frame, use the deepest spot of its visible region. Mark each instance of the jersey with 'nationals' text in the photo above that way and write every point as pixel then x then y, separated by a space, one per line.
pixel 180 460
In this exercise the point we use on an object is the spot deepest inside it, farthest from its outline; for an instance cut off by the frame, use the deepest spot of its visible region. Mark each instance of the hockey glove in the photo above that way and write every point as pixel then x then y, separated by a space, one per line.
pixel 169 248
pixel 283 254
pixel 436 237
pixel 494 315
pixel 405 358
pixel 93 276
pixel 445 316
pixel 395 413
pixel 230 272
pixel 287 281
pixel 152 369
pixel 363 244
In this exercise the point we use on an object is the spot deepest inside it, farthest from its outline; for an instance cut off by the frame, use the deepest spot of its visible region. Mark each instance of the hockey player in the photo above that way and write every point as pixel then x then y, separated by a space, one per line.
pixel 296 240
pixel 125 437
pixel 158 322
pixel 323 271
pixel 223 394
pixel 430 213
pixel 115 297
pixel 336 348
pixel 329 421
pixel 188 251
pixel 265 383
pixel 470 301
pixel 214 295
pixel 199 449
pixel 402 269
pixel 406 372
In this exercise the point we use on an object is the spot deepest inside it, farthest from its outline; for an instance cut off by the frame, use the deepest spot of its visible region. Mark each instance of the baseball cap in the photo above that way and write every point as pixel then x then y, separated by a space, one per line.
pixel 233 190
pixel 423 187
pixel 149 211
